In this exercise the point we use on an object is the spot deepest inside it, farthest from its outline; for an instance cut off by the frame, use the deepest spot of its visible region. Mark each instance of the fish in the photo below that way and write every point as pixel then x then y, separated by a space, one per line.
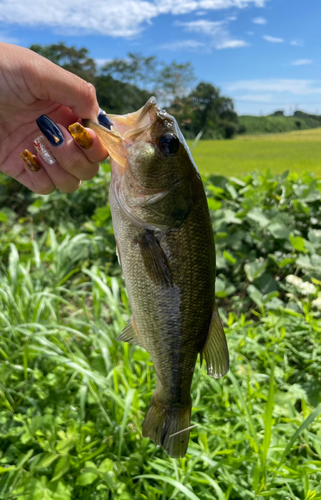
pixel 165 246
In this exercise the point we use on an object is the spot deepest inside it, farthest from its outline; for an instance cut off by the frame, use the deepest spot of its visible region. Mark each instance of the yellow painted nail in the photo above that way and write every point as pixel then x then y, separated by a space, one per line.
pixel 81 135
pixel 30 160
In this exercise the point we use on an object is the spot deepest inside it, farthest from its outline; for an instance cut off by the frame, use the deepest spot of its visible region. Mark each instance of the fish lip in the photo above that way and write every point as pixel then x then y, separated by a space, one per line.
pixel 150 104
pixel 145 120
pixel 144 123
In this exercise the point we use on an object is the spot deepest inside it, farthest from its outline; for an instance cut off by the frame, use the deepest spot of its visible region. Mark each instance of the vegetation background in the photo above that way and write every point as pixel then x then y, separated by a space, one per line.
pixel 72 399
pixel 124 85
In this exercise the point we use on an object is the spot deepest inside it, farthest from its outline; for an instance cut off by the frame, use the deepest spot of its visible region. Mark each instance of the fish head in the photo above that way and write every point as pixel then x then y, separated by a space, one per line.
pixel 148 146
pixel 157 154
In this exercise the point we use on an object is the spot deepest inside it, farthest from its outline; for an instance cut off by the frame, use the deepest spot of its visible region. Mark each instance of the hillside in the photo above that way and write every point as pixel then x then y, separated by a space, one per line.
pixel 277 123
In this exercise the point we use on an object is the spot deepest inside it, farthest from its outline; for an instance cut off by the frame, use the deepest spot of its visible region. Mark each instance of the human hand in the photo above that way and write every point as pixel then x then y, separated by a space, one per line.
pixel 32 86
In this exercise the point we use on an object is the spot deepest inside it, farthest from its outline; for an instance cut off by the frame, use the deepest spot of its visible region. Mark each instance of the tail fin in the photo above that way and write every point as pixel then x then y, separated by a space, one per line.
pixel 166 425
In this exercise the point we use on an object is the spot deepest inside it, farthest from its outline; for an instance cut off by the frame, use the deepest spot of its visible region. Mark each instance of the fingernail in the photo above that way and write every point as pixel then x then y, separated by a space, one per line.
pixel 103 119
pixel 41 147
pixel 50 130
pixel 30 160
pixel 81 135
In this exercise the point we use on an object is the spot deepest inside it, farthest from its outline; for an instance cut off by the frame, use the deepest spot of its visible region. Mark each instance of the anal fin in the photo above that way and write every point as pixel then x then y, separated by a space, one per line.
pixel 215 350
pixel 129 334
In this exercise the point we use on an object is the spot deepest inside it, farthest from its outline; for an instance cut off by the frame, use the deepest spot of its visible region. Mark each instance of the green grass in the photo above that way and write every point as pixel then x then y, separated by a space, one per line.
pixel 293 151
pixel 72 399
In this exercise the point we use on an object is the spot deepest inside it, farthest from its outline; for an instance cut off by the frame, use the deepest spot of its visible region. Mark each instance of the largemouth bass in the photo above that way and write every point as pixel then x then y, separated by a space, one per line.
pixel 165 246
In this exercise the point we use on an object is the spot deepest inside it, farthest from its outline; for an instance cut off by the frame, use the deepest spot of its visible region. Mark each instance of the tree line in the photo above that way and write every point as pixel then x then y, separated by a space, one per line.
pixel 124 85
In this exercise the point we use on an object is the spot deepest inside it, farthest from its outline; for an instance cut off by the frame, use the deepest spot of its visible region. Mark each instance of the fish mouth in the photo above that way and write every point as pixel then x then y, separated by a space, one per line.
pixel 126 129
pixel 128 125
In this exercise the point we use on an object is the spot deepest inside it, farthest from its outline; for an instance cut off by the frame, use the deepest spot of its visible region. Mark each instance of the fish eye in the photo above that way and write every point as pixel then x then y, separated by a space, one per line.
pixel 168 144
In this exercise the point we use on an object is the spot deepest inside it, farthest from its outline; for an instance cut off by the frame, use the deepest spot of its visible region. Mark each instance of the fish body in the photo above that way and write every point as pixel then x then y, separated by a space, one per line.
pixel 166 249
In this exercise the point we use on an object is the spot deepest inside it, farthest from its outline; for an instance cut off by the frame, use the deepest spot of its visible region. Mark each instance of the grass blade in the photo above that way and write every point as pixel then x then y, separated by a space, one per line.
pixel 268 420
pixel 128 402
pixel 305 424
pixel 188 493
pixel 246 410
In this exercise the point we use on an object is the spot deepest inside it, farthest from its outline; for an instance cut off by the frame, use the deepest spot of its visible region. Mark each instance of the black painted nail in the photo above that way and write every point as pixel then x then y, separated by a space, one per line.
pixel 103 119
pixel 50 130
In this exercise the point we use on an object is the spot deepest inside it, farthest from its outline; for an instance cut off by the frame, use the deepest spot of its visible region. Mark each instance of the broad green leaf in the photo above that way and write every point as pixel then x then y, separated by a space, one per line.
pixel 255 269
pixel 297 243
pixel 65 445
pixel 213 204
pixel 86 478
pixel 35 489
pixel 229 257
pixel 279 231
pixel 257 215
pixel 106 465
pixel 255 295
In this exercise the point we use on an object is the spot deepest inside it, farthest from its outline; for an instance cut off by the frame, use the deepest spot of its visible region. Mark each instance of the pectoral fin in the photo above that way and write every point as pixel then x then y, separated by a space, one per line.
pixel 215 350
pixel 155 260
pixel 129 334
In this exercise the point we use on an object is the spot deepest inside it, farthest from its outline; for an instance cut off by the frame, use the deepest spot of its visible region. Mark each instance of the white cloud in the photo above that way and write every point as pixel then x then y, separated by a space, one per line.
pixel 202 26
pixel 182 44
pixel 295 87
pixel 297 43
pixel 217 31
pixel 301 62
pixel 123 18
pixel 259 20
pixel 273 39
pixel 231 44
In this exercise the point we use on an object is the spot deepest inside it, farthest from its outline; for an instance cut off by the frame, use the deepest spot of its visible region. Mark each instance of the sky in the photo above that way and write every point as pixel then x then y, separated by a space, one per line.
pixel 265 54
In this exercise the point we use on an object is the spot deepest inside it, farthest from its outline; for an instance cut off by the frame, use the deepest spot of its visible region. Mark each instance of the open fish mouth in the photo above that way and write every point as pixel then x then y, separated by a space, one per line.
pixel 139 120
pixel 127 128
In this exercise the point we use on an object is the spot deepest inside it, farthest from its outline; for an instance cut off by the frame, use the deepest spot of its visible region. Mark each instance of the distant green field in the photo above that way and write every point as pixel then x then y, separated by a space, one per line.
pixel 295 151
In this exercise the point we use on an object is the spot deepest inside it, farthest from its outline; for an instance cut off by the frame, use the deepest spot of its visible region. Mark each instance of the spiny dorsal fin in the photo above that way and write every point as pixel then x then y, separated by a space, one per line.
pixel 129 334
pixel 215 350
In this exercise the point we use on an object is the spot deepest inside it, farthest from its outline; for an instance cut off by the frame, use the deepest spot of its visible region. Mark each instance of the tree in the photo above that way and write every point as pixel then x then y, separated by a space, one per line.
pixel 134 69
pixel 174 82
pixel 205 109
pixel 118 97
pixel 74 60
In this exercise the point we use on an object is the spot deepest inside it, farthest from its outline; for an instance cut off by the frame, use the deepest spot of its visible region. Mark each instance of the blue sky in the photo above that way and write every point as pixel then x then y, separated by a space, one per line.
pixel 265 54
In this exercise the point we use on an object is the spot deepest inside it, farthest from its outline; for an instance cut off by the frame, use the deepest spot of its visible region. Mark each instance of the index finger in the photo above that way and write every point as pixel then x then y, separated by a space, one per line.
pixel 59 85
